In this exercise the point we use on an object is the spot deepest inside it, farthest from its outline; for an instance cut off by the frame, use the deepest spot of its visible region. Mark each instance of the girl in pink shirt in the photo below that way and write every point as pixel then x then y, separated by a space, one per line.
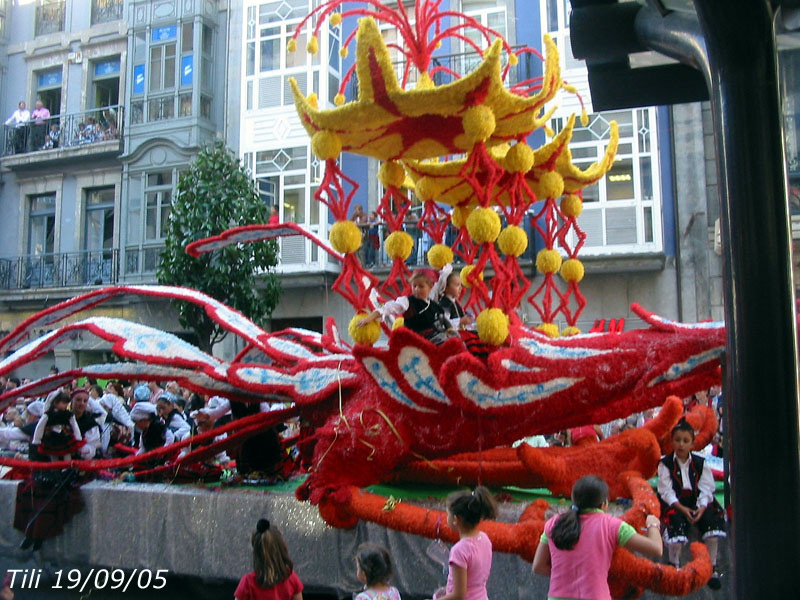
pixel 471 557
pixel 576 547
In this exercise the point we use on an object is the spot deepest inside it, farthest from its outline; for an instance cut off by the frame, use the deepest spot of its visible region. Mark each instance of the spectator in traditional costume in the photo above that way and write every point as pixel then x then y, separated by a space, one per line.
pixel 153 433
pixel 172 417
pixel 90 421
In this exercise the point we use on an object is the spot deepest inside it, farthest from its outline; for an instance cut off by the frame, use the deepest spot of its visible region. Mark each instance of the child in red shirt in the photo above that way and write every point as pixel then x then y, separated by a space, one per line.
pixel 274 577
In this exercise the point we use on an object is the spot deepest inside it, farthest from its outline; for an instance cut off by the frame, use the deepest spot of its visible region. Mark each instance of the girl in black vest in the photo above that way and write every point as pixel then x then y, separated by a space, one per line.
pixel 686 490
pixel 420 312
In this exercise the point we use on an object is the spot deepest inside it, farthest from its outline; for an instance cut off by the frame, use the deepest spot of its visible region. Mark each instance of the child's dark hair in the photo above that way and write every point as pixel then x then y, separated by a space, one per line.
pixel 97 390
pixel 59 397
pixel 682 425
pixel 271 560
pixel 472 506
pixel 451 276
pixel 375 563
pixel 590 491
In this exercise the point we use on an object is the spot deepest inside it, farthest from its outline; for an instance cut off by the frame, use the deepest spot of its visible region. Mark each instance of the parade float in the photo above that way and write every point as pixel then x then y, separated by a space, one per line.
pixel 381 403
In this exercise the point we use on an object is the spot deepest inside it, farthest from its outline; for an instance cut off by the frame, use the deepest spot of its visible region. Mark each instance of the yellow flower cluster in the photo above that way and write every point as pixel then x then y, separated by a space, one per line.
pixel 398 245
pixel 548 261
pixel 513 241
pixel 345 237
pixel 483 225
pixel 550 329
pixel 440 255
pixel 368 334
pixel 465 271
pixel 492 325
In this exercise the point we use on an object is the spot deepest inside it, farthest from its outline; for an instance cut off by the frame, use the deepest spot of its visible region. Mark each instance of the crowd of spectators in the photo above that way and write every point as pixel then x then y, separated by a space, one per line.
pixel 121 418
pixel 39 130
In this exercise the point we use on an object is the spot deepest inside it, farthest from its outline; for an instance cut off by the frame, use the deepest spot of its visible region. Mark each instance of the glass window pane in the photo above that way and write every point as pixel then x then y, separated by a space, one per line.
pixel 165 208
pixel 155 68
pixel 646 178
pixel 134 216
pixel 46 202
pixel 270 55
pixel 169 66
pixel 185 105
pixel 298 57
pixel 251 58
pixel 619 181
pixel 187 39
pixel 294 206
pixel 207 39
pixel 151 217
pixel 648 224
pixel 160 178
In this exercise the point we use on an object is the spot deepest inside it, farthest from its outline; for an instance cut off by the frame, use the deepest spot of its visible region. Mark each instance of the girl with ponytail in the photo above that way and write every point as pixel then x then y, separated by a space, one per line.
pixel 576 547
pixel 274 577
pixel 471 557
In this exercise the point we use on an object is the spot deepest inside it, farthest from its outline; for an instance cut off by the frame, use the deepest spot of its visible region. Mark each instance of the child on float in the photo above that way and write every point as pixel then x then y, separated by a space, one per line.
pixel 471 557
pixel 57 433
pixel 576 546
pixel 374 570
pixel 420 312
pixel 686 490
pixel 273 577
pixel 153 433
pixel 446 292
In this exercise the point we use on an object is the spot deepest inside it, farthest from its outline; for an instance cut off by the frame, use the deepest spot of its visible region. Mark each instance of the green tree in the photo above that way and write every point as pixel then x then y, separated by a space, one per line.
pixel 215 194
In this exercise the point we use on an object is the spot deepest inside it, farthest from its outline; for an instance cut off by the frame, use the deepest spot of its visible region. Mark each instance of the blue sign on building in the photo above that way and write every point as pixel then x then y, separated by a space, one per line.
pixel 187 68
pixel 107 67
pixel 138 79
pixel 161 34
pixel 50 78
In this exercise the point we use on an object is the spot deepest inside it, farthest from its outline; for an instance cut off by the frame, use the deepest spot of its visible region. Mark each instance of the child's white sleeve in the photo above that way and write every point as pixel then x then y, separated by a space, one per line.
pixel 665 490
pixel 437 291
pixel 40 427
pixel 76 431
pixel 394 308
pixel 706 487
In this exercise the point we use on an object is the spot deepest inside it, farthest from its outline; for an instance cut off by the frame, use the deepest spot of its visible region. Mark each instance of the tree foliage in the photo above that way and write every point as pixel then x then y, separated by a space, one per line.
pixel 215 194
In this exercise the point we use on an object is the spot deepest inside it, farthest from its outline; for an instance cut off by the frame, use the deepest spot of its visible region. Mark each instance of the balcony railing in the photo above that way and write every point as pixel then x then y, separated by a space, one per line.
pixel 69 130
pixel 50 17
pixel 447 68
pixel 104 11
pixel 142 261
pixel 69 269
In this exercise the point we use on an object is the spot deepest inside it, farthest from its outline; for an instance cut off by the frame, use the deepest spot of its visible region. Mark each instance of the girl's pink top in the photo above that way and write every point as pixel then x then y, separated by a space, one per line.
pixel 583 571
pixel 475 555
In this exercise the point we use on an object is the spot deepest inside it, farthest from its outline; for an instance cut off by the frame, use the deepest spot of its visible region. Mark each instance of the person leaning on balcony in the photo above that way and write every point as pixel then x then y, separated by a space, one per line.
pixel 19 120
pixel 41 122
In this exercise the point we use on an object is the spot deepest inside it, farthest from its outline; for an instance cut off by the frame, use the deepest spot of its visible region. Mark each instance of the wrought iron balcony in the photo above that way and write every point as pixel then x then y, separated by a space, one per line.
pixel 70 130
pixel 142 262
pixel 68 269
pixel 104 11
pixel 50 16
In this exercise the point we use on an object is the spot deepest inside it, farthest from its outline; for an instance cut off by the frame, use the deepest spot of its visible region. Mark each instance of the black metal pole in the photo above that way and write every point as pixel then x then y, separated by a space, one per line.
pixel 761 392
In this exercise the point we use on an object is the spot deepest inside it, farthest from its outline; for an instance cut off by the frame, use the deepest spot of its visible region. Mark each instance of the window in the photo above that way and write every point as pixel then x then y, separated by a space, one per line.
pixel 268 66
pixel 42 224
pixel 288 177
pixel 48 89
pixel 164 71
pixel 105 82
pixel 99 224
pixel 622 211
pixel 158 198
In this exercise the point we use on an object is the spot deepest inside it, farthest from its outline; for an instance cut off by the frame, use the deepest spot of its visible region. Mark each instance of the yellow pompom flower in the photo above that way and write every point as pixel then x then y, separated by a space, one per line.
pixel 492 325
pixel 513 59
pixel 398 322
pixel 336 19
pixel 550 329
pixel 398 245
pixel 345 237
pixel 426 189
pixel 572 270
pixel 551 185
pixel 368 334
pixel 465 271
pixel 339 99
pixel 291 45
pixel 571 205
pixel 478 122
pixel 344 52
pixel 519 158
pixel 568 331
pixel 548 261
pixel 326 144
pixel 483 225
pixel 391 174
pixel 512 241
pixel 440 255
pixel 312 47
pixel 460 215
